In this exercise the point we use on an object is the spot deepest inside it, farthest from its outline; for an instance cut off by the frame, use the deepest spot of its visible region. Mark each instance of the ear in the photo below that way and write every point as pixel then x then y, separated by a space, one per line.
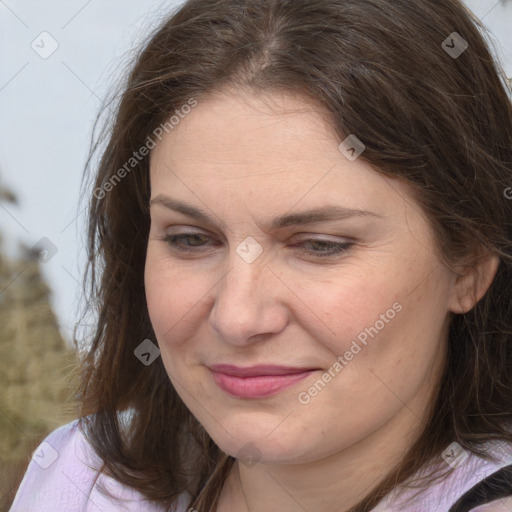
pixel 472 282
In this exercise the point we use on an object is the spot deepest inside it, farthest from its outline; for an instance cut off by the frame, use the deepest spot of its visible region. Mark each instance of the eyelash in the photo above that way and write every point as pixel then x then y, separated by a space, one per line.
pixel 337 247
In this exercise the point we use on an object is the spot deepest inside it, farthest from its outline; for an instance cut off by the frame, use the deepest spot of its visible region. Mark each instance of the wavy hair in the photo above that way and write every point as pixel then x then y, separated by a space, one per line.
pixel 441 123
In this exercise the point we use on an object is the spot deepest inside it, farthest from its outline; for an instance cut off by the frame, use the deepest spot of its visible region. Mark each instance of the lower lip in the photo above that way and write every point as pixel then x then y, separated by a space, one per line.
pixel 257 387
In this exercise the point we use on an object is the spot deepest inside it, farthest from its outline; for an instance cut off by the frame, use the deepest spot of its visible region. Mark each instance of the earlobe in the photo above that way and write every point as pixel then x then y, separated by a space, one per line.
pixel 472 282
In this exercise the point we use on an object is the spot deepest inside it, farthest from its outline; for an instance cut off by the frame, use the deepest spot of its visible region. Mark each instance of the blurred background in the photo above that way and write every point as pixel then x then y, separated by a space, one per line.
pixel 58 61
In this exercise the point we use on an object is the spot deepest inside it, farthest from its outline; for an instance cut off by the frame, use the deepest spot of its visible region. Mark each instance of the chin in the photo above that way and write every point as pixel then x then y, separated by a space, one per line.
pixel 253 441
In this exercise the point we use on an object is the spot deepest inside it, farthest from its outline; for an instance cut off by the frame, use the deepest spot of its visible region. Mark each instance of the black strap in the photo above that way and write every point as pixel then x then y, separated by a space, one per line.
pixel 494 487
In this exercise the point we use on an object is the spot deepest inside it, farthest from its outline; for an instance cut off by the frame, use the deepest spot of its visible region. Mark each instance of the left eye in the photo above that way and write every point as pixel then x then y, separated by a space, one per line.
pixel 321 248
pixel 330 248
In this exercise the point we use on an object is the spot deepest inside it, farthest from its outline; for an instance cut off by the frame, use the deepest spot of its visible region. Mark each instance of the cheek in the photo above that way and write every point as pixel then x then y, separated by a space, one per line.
pixel 345 310
pixel 158 292
pixel 394 337
pixel 172 296
pixel 388 322
pixel 173 301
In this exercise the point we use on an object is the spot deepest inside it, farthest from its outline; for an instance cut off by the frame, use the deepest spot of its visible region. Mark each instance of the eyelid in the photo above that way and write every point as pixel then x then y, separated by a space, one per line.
pixel 326 225
pixel 327 238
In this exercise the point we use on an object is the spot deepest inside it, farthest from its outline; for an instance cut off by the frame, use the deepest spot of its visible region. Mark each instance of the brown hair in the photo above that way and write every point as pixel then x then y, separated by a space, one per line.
pixel 441 123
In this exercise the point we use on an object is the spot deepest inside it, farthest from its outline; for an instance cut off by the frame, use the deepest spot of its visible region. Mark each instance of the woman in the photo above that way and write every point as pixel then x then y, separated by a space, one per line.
pixel 300 249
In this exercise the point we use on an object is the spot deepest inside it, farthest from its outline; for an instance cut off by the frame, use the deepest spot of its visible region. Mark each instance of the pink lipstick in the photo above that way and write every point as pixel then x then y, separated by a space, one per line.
pixel 257 381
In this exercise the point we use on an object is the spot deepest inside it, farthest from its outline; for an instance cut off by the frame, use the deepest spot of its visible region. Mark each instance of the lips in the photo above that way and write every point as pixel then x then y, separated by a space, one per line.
pixel 257 381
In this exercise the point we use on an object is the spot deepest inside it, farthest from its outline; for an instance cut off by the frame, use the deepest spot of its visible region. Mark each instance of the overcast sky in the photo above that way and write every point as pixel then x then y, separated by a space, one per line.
pixel 48 103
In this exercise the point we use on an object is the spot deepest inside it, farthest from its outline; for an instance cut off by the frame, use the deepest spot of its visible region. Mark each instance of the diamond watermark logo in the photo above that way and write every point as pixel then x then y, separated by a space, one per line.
pixel 249 250
pixel 45 250
pixel 147 352
pixel 455 455
pixel 455 45
pixel 352 147
pixel 45 455
pixel 45 45
pixel 249 455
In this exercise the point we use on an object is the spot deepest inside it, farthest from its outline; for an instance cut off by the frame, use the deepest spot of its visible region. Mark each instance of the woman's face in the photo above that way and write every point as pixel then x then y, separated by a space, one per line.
pixel 349 310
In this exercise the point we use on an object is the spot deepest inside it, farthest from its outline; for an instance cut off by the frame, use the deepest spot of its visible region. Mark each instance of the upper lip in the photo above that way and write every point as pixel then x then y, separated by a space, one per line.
pixel 258 370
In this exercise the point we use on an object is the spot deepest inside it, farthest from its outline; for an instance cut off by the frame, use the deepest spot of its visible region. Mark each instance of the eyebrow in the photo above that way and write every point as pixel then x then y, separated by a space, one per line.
pixel 321 214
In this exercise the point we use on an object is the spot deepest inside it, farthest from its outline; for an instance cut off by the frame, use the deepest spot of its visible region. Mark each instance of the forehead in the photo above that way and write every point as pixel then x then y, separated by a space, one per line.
pixel 230 124
pixel 268 153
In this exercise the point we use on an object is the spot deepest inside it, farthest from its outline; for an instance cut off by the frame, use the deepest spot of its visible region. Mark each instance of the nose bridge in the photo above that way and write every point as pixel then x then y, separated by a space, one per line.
pixel 244 282
pixel 245 279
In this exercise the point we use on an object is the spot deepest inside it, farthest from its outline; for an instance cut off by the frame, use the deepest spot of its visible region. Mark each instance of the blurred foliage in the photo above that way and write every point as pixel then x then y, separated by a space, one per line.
pixel 37 368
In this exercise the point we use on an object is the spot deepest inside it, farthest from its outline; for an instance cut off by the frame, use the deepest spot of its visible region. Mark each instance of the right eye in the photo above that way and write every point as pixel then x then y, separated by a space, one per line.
pixel 176 241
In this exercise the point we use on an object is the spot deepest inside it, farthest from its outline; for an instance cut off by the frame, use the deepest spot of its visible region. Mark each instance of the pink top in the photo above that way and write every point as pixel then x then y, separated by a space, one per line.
pixel 60 477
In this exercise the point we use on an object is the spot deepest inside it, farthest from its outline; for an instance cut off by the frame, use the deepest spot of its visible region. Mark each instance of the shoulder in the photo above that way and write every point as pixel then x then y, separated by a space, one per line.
pixel 503 505
pixel 469 471
pixel 64 474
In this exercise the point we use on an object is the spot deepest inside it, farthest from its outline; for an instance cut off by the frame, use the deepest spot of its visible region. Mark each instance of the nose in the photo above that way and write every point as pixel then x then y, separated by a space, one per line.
pixel 248 302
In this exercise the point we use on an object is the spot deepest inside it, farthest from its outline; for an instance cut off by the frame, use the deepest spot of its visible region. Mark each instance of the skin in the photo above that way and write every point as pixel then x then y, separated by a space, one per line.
pixel 246 159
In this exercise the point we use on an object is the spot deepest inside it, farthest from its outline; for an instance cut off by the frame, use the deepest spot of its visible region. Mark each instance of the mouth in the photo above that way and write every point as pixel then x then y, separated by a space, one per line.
pixel 257 381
